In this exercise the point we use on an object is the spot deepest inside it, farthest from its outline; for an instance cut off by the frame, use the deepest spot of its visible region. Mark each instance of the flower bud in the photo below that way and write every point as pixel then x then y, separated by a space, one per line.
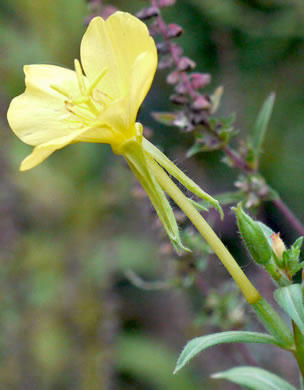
pixel 185 64
pixel 200 80
pixel 181 88
pixel 278 245
pixel 148 13
pixel 253 236
pixel 179 99
pixel 178 51
pixel 200 103
pixel 173 77
pixel 162 47
pixel 174 30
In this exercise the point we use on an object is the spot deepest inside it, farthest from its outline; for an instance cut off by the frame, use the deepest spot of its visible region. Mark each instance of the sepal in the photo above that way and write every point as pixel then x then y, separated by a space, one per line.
pixel 253 236
pixel 173 170
pixel 133 152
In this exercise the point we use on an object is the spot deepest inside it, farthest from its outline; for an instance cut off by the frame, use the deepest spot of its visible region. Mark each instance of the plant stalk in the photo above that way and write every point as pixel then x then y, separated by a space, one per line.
pixel 289 215
pixel 249 291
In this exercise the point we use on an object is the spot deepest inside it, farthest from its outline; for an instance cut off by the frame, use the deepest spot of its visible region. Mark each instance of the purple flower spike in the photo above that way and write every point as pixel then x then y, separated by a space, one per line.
pixel 179 99
pixel 181 88
pixel 185 64
pixel 148 13
pixel 200 103
pixel 173 77
pixel 200 80
pixel 174 30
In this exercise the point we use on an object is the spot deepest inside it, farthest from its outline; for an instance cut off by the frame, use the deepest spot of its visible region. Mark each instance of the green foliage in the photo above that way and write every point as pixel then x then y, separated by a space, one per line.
pixel 259 241
pixel 213 136
pixel 290 298
pixel 291 258
pixel 167 118
pixel 226 198
pixel 199 344
pixel 254 378
pixel 273 323
pixel 70 229
pixel 259 130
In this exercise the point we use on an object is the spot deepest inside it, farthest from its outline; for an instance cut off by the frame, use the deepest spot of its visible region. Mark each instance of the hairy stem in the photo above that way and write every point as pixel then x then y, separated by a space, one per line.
pixel 249 291
pixel 238 161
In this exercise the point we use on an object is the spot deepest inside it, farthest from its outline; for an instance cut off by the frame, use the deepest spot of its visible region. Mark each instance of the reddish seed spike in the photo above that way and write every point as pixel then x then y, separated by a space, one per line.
pixel 185 64
pixel 174 30
pixel 200 80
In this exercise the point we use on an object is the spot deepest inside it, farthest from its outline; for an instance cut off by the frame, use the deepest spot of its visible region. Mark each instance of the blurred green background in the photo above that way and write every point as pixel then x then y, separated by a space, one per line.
pixel 72 227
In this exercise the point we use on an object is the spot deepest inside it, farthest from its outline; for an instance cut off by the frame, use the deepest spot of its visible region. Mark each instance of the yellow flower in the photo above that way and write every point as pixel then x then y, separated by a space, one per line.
pixel 61 106
pixel 99 102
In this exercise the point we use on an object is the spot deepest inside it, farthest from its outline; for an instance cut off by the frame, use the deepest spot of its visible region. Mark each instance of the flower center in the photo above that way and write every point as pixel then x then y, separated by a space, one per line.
pixel 84 110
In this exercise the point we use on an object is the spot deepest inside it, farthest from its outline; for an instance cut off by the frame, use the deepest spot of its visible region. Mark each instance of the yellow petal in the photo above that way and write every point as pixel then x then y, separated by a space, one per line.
pixel 37 116
pixel 122 44
pixel 38 155
pixel 141 79
pixel 43 151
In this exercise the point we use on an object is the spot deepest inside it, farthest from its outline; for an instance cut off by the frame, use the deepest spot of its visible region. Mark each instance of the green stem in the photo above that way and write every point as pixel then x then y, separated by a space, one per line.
pixel 273 323
pixel 249 291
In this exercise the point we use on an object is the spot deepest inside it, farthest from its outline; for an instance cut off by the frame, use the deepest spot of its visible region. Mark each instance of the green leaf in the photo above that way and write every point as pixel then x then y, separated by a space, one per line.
pixel 290 298
pixel 195 148
pixel 199 344
pixel 216 99
pixel 229 197
pixel 298 243
pixel 260 126
pixel 177 119
pixel 166 118
pixel 254 378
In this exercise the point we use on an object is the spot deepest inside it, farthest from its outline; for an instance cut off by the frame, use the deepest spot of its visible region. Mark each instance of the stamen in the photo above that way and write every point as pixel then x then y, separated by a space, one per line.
pixel 79 112
pixel 88 102
pixel 86 107
pixel 80 100
pixel 60 90
pixel 92 106
pixel 96 81
pixel 98 95
pixel 80 77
